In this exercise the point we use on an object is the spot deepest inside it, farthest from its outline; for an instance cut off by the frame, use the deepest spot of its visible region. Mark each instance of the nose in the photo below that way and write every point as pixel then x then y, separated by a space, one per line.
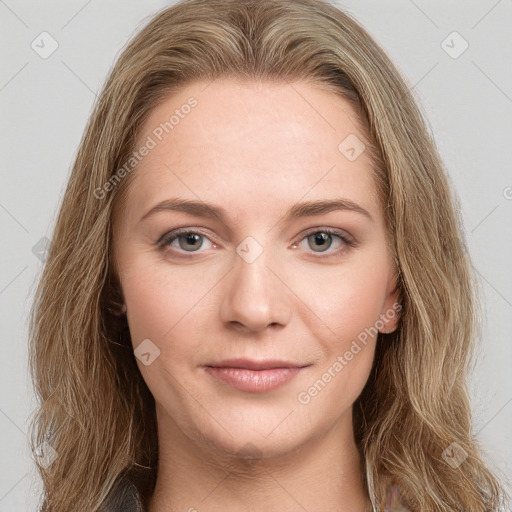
pixel 255 295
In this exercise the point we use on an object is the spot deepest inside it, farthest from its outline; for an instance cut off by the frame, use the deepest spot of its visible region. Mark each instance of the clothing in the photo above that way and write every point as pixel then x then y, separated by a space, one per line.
pixel 123 497
pixel 394 502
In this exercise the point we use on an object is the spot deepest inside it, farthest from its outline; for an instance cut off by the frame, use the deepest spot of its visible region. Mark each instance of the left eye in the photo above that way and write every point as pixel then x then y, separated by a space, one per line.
pixel 323 240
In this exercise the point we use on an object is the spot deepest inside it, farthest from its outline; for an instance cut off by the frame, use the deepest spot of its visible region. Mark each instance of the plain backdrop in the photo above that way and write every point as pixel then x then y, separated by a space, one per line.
pixel 455 55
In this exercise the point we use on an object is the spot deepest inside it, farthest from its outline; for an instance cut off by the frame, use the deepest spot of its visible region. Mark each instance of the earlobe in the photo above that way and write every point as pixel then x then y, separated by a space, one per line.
pixel 117 306
pixel 390 316
pixel 390 325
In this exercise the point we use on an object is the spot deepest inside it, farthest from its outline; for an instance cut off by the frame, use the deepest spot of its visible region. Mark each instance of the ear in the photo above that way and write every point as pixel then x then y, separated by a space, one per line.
pixel 389 318
pixel 117 305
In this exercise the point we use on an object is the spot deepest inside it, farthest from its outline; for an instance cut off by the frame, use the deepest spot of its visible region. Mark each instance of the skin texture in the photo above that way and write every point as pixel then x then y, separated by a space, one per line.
pixel 255 149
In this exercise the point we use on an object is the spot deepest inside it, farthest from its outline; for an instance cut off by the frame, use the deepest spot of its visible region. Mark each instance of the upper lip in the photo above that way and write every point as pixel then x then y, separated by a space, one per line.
pixel 250 364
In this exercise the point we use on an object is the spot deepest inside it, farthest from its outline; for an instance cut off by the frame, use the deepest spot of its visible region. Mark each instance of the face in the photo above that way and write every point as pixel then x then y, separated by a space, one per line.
pixel 287 263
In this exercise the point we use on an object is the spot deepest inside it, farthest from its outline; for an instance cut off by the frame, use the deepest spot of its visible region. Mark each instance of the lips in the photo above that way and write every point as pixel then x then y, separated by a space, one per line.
pixel 254 376
pixel 249 364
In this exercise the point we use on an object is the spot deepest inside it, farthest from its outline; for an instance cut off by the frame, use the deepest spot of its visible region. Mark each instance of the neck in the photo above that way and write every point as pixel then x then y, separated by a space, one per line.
pixel 324 475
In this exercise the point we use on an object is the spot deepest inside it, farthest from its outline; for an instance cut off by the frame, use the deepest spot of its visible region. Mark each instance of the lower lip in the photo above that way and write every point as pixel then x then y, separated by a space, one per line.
pixel 254 381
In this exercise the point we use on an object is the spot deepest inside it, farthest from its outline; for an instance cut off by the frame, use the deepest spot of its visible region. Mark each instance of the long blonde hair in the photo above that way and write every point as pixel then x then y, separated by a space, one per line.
pixel 97 415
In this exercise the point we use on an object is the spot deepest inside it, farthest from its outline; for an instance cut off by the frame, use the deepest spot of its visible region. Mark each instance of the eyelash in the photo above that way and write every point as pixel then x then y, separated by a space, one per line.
pixel 348 242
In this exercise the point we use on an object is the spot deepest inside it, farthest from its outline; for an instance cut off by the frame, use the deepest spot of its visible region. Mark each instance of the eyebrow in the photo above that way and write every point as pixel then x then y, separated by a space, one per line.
pixel 305 209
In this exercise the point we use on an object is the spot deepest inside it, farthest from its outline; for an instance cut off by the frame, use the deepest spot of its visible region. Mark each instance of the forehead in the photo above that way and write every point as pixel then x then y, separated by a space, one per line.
pixel 252 145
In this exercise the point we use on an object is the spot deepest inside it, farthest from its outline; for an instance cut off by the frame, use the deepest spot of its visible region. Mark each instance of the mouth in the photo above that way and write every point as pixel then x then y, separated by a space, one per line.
pixel 255 376
pixel 250 364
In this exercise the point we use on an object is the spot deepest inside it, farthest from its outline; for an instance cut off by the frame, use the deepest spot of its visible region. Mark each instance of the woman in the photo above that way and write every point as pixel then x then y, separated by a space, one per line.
pixel 257 296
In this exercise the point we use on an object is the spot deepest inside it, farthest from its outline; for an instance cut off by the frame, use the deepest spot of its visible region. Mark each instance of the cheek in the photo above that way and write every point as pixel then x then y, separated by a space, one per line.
pixel 155 297
pixel 348 351
pixel 342 307
pixel 344 299
pixel 164 304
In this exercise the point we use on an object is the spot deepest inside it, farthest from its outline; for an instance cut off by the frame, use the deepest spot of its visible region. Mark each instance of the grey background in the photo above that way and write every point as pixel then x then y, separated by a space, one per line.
pixel 45 104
